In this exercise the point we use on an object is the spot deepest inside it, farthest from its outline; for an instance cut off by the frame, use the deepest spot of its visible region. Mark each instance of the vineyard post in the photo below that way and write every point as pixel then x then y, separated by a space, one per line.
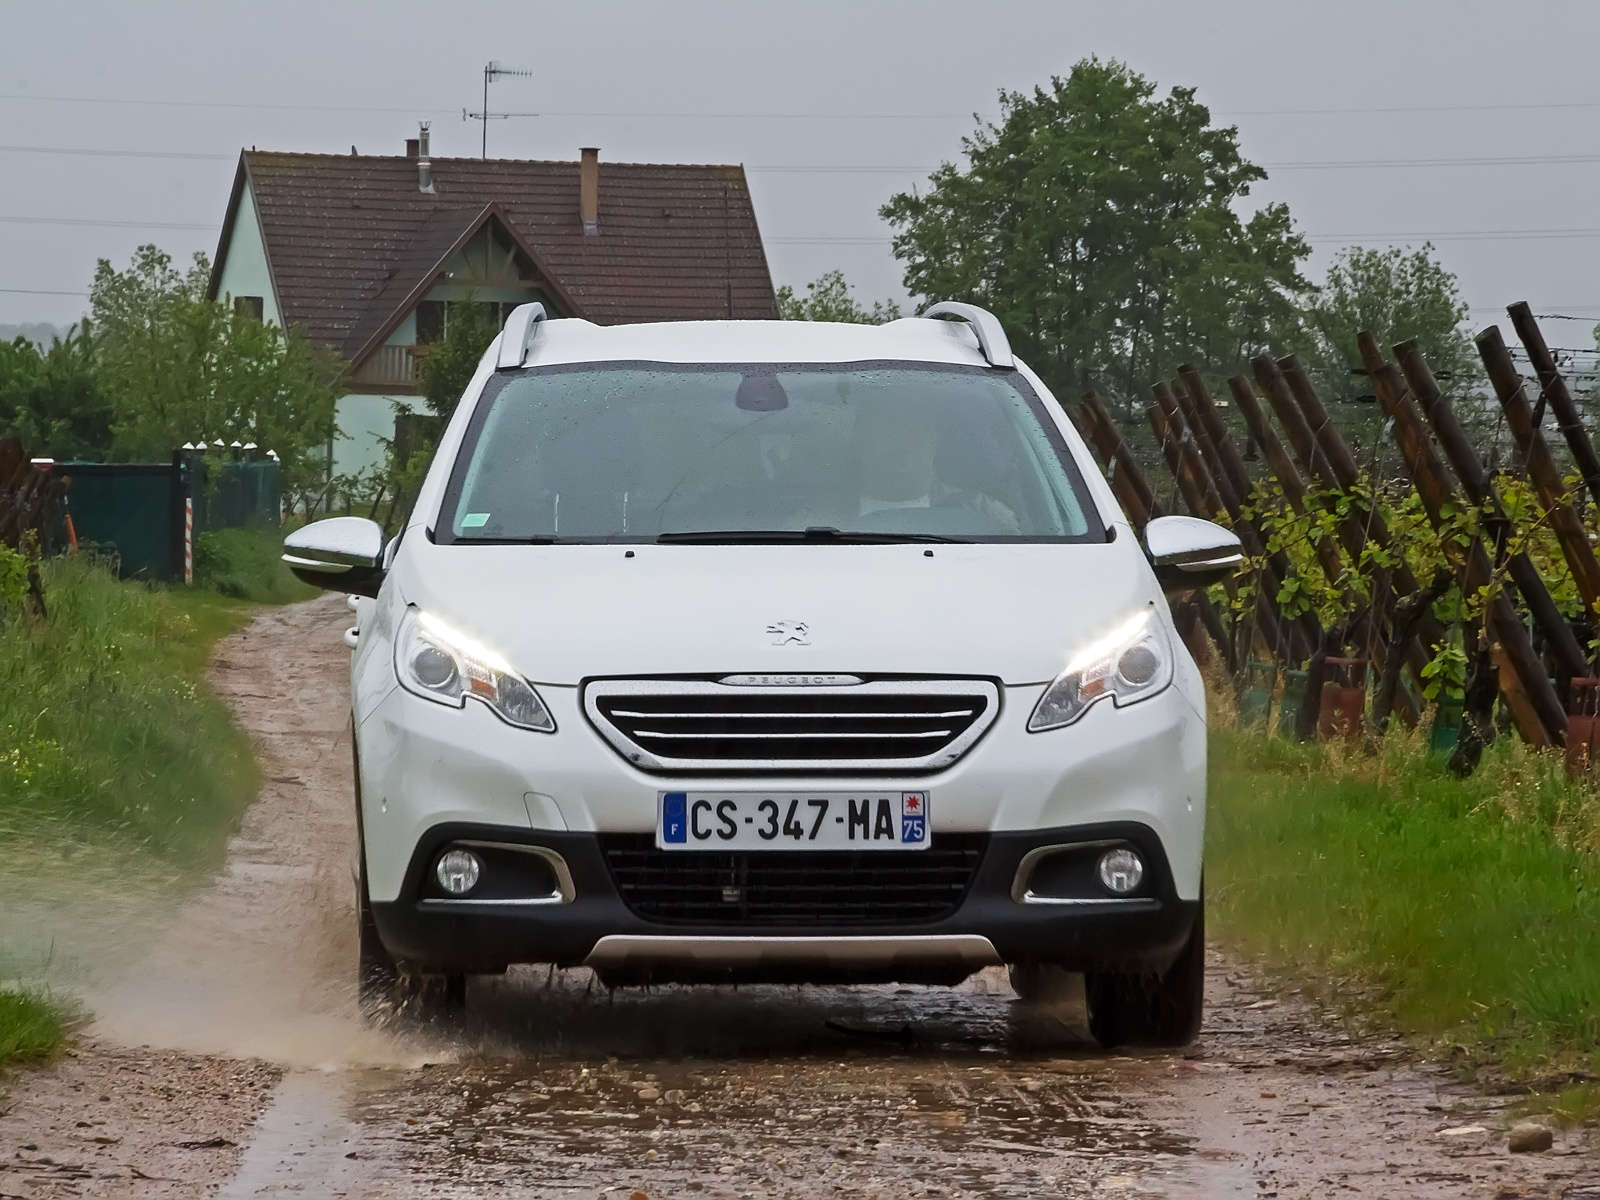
pixel 1283 469
pixel 1295 491
pixel 1323 452
pixel 1124 475
pixel 1555 391
pixel 1542 469
pixel 1436 491
pixel 1475 482
pixel 1233 481
pixel 1139 503
pixel 1183 460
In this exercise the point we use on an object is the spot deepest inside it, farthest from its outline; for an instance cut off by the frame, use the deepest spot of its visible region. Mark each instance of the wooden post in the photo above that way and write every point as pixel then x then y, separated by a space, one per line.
pixel 1183 460
pixel 1233 484
pixel 1125 477
pixel 1180 439
pixel 1283 468
pixel 1295 491
pixel 1139 503
pixel 1322 452
pixel 1570 659
pixel 1436 489
pixel 1542 469
pixel 1555 392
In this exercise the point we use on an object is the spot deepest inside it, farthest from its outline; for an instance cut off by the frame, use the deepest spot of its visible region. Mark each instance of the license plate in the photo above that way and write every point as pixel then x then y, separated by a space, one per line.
pixel 792 821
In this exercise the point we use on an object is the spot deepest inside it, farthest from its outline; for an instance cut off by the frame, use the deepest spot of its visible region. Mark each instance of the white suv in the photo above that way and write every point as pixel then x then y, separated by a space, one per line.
pixel 776 651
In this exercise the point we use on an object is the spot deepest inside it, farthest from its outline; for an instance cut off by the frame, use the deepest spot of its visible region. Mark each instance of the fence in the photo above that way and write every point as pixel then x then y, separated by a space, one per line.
pixel 1510 544
pixel 136 511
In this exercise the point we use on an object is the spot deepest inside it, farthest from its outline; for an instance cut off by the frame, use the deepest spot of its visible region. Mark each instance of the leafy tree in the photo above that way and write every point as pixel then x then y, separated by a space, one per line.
pixel 1398 294
pixel 175 366
pixel 831 298
pixel 51 398
pixel 446 369
pixel 1101 225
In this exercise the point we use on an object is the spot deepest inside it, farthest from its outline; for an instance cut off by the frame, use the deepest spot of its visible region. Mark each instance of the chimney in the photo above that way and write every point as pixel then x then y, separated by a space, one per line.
pixel 411 147
pixel 424 165
pixel 589 190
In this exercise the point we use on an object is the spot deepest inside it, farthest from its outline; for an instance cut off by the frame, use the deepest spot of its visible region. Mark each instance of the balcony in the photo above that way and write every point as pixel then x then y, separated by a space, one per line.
pixel 391 368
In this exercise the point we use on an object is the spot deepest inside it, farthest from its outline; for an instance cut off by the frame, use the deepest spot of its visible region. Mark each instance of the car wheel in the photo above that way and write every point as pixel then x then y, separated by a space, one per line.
pixel 1151 1009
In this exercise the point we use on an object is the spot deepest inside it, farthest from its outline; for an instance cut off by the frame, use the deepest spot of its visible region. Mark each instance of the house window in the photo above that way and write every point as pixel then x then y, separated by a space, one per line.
pixel 430 322
pixel 249 306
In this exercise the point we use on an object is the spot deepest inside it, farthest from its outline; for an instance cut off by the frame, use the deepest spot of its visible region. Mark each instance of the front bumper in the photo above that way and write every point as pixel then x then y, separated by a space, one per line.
pixel 593 925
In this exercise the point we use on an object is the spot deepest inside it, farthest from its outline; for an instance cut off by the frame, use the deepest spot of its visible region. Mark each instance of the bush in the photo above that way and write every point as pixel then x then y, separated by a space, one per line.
pixel 247 564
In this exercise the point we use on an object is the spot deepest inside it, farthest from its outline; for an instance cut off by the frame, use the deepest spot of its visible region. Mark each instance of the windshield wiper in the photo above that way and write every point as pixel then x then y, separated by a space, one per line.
pixel 812 533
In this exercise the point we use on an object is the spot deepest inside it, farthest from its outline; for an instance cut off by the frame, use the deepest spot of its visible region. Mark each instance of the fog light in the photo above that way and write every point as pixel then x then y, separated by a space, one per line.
pixel 458 871
pixel 1121 870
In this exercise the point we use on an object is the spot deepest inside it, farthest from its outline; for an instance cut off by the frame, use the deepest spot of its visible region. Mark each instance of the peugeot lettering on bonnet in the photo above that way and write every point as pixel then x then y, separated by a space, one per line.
pixel 775 651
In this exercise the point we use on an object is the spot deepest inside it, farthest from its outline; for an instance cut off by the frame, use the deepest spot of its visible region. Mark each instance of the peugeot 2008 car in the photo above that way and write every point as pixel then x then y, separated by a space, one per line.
pixel 776 651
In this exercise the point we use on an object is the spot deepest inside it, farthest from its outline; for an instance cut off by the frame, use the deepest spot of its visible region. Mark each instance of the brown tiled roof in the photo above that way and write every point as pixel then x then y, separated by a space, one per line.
pixel 350 238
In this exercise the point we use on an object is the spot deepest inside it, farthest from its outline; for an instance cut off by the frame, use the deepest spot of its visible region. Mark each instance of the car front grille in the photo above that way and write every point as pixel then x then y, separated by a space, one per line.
pixel 706 725
pixel 814 889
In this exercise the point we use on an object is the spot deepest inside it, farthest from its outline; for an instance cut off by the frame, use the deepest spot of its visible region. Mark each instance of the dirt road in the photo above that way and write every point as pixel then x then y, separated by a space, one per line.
pixel 228 1055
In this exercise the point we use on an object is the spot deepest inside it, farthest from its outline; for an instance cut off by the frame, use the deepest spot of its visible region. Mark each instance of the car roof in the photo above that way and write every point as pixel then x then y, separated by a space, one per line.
pixel 915 339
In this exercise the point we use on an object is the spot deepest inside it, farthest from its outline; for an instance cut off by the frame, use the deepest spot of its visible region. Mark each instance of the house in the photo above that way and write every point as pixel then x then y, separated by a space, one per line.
pixel 366 253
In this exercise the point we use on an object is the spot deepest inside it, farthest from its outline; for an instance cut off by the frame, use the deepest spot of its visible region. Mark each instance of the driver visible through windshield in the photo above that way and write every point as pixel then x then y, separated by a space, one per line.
pixel 878 452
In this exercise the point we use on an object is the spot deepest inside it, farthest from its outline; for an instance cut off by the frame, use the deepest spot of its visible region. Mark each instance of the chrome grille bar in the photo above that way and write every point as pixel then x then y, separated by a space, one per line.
pixel 700 725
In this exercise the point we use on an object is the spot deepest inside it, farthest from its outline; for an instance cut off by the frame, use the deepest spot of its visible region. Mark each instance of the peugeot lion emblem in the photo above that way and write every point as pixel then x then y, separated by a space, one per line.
pixel 789 633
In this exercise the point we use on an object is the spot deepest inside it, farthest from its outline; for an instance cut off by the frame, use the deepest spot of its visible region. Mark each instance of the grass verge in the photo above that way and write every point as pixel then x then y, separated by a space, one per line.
pixel 108 733
pixel 31 1028
pixel 247 564
pixel 1468 910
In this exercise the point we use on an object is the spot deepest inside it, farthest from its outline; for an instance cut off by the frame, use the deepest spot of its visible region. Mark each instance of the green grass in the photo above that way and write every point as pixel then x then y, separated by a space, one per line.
pixel 246 564
pixel 108 733
pixel 31 1027
pixel 1466 911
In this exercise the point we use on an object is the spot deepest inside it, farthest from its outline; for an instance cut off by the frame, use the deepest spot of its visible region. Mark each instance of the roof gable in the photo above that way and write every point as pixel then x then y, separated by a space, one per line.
pixel 351 238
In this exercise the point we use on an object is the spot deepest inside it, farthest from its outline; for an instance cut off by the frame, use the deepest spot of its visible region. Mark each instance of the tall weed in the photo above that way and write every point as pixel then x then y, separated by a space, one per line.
pixel 107 730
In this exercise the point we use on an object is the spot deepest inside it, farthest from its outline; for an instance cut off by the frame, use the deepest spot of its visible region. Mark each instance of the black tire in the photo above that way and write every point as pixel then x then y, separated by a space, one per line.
pixel 1152 1009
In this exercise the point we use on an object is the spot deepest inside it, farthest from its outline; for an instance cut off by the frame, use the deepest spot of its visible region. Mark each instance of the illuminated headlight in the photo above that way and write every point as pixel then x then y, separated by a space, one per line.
pixel 1131 663
pixel 438 663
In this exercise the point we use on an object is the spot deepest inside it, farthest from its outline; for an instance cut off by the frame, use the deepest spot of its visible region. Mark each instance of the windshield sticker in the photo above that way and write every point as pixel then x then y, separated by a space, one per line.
pixel 474 520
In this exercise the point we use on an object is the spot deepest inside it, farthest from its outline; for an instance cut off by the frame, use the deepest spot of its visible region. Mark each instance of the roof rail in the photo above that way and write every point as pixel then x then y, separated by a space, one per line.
pixel 991 338
pixel 520 327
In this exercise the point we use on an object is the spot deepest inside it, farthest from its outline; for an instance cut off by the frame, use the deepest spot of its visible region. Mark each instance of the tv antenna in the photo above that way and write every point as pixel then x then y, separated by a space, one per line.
pixel 491 72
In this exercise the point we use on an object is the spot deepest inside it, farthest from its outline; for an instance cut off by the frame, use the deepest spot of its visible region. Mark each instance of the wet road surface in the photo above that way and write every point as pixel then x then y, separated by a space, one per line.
pixel 548 1085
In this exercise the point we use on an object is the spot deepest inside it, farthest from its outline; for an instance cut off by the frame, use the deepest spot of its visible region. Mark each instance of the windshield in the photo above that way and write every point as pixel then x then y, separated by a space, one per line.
pixel 641 451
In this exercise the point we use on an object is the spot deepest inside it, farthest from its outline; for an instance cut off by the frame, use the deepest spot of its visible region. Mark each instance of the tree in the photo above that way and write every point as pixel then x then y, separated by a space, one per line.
pixel 51 399
pixel 446 369
pixel 830 298
pixel 1101 225
pixel 1398 294
pixel 175 366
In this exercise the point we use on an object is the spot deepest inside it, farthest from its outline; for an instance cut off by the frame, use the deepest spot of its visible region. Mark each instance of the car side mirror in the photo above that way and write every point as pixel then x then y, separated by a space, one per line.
pixel 1190 553
pixel 343 553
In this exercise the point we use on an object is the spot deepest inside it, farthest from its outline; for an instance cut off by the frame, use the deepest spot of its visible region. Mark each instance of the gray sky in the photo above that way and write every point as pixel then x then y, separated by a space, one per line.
pixel 817 85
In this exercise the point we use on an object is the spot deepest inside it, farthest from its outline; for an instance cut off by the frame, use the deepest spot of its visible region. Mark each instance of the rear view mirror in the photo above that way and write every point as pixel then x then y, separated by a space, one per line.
pixel 1190 553
pixel 345 553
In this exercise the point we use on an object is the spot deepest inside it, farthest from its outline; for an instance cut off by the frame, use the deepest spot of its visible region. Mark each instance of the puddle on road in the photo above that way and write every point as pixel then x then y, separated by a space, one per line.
pixel 562 1088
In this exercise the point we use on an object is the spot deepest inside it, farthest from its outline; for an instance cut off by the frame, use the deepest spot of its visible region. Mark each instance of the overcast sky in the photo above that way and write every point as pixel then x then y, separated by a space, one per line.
pixel 867 96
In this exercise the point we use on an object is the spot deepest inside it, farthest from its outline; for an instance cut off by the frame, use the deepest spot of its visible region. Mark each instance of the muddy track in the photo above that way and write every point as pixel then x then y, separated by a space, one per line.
pixel 230 1056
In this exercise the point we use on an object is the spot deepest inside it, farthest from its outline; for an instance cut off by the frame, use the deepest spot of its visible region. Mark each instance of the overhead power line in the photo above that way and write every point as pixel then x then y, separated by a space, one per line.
pixel 91 221
pixel 423 109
